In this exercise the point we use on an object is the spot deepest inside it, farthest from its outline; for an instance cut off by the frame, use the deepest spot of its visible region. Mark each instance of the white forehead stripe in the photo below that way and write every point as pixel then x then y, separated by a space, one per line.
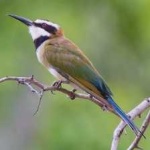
pixel 47 22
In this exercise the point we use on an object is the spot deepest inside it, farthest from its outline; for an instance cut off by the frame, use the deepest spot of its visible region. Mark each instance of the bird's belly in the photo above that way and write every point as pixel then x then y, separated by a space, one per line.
pixel 60 77
pixel 56 74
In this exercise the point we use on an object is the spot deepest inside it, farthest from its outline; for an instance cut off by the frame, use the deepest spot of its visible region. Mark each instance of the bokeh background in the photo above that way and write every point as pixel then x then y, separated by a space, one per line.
pixel 115 35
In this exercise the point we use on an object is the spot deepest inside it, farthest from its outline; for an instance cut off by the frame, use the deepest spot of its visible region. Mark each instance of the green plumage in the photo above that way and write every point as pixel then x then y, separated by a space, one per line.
pixel 68 60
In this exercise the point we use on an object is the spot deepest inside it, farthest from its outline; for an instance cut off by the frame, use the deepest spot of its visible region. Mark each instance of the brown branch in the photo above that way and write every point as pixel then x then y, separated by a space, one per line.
pixel 29 81
pixel 137 111
pixel 40 88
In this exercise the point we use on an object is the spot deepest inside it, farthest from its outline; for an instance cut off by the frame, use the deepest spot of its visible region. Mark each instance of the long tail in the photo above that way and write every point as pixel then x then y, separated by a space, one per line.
pixel 123 116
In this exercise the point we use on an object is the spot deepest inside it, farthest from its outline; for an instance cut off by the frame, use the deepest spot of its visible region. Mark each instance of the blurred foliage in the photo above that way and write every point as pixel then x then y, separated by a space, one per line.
pixel 115 35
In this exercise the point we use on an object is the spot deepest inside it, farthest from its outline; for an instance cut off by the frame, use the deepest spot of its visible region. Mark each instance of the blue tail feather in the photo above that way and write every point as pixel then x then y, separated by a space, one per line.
pixel 123 116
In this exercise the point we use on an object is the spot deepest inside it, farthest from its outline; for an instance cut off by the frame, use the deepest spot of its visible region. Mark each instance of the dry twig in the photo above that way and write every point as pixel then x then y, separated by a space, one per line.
pixel 31 82
pixel 142 129
pixel 137 111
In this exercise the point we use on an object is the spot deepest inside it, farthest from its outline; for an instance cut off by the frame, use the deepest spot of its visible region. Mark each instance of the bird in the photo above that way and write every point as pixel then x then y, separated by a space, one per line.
pixel 65 61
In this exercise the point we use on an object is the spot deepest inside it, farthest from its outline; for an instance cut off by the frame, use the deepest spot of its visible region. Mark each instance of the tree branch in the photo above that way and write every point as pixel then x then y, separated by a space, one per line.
pixel 29 81
pixel 38 88
pixel 142 129
pixel 137 111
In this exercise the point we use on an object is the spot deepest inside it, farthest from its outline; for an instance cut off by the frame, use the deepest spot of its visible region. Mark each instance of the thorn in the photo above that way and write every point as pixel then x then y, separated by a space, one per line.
pixel 129 116
pixel 32 77
pixel 125 131
pixel 72 94
pixel 139 148
pixel 148 100
pixel 74 90
pixel 18 83
pixel 104 108
pixel 139 115
pixel 52 92
pixel 21 81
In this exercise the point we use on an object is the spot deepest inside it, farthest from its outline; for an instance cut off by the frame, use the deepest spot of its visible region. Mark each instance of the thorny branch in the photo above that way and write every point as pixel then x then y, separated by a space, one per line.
pixel 31 82
pixel 137 111
pixel 143 129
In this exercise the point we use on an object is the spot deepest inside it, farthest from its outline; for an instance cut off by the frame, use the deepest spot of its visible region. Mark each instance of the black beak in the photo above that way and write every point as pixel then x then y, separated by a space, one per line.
pixel 23 20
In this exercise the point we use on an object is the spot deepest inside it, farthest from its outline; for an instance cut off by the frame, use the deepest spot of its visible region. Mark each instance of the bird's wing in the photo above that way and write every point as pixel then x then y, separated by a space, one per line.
pixel 70 62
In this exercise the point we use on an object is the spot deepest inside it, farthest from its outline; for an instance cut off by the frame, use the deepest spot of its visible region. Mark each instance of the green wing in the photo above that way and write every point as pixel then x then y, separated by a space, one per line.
pixel 71 63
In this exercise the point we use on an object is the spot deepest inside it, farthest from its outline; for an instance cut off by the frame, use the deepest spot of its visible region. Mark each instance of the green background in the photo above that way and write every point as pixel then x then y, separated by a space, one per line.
pixel 115 35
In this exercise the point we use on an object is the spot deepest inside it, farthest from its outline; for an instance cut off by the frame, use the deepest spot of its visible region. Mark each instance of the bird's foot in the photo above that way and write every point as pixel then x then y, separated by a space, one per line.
pixel 57 84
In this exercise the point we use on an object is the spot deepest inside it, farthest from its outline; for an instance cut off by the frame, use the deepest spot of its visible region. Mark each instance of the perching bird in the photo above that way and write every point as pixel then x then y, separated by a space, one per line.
pixel 67 62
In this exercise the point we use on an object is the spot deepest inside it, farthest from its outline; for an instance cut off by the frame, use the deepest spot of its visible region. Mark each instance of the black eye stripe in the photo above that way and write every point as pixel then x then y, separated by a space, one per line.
pixel 48 28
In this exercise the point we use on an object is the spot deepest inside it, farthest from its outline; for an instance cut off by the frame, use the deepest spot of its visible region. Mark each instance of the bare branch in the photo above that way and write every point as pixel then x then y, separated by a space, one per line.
pixel 137 111
pixel 32 81
pixel 38 88
pixel 143 129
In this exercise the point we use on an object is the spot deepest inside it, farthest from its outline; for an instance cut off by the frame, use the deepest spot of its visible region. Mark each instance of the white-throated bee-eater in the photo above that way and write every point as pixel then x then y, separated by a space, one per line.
pixel 67 62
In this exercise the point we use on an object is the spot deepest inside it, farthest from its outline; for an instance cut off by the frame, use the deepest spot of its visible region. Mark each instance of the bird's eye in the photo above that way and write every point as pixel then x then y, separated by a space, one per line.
pixel 44 25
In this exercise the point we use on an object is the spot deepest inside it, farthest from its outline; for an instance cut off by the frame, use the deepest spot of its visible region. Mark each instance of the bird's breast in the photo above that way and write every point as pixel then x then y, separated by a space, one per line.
pixel 43 60
pixel 40 52
pixel 56 74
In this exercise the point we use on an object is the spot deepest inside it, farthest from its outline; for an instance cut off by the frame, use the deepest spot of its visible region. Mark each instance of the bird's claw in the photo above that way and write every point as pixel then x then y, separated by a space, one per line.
pixel 57 84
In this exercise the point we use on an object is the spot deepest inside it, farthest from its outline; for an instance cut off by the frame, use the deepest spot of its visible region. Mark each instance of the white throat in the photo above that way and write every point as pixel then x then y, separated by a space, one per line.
pixel 36 32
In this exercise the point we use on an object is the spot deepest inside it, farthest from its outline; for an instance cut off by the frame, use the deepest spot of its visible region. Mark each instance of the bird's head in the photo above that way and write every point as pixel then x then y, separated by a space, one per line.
pixel 40 28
